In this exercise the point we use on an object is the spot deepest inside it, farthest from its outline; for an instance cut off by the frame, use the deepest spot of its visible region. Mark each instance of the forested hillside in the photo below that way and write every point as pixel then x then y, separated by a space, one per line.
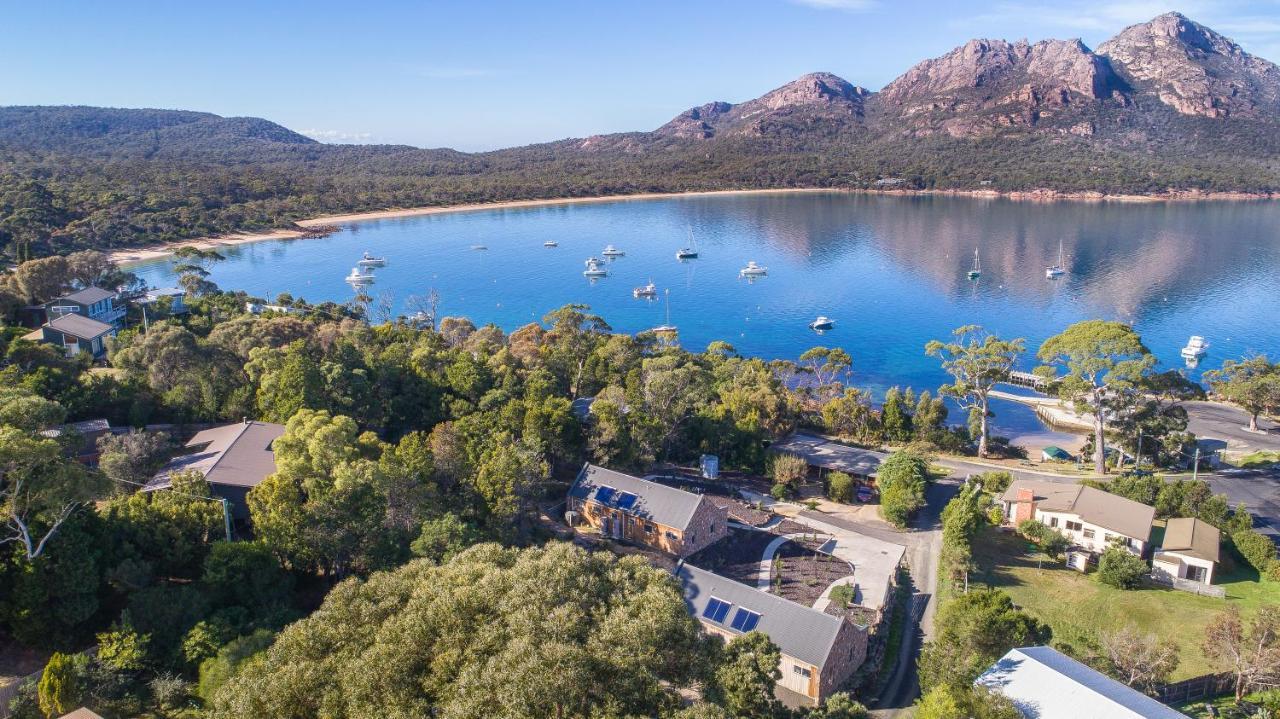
pixel 1167 106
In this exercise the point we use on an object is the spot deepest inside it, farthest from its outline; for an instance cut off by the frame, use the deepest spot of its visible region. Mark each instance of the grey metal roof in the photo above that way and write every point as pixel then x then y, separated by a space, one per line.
pixel 656 502
pixel 238 455
pixel 1044 683
pixel 1192 537
pixel 79 326
pixel 821 452
pixel 88 295
pixel 799 631
pixel 1106 510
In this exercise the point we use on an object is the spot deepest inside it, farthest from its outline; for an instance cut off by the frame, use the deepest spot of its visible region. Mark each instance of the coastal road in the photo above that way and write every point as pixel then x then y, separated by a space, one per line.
pixel 1259 489
pixel 1213 420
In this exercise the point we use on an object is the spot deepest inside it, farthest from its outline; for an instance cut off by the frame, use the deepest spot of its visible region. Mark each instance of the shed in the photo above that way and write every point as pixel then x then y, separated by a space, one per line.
pixel 1054 453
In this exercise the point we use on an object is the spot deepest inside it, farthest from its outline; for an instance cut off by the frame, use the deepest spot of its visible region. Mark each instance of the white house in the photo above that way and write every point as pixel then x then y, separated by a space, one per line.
pixel 1189 551
pixel 1090 518
pixel 1043 683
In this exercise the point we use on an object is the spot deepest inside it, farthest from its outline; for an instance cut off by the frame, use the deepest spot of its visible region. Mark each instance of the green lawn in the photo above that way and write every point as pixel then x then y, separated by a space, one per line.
pixel 1078 607
pixel 1258 459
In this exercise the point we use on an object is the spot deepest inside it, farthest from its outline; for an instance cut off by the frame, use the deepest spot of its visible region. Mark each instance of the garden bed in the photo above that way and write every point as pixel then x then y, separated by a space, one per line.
pixel 801 573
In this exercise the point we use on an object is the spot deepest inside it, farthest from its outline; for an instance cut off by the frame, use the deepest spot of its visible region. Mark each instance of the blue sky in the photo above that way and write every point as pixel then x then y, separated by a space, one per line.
pixel 482 75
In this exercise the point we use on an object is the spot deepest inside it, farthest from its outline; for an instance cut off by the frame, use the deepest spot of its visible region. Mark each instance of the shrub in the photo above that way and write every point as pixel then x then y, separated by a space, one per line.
pixel 1031 529
pixel 839 487
pixel 1120 569
pixel 1256 549
pixel 788 469
pixel 1054 543
pixel 842 596
pixel 995 483
pixel 778 491
pixel 62 683
pixel 902 478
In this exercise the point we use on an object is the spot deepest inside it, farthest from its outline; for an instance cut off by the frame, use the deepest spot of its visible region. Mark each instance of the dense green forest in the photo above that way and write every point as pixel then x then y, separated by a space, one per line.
pixel 79 178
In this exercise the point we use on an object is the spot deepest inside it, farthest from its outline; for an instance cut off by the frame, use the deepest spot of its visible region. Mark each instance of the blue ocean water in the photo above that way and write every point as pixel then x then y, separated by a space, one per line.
pixel 891 271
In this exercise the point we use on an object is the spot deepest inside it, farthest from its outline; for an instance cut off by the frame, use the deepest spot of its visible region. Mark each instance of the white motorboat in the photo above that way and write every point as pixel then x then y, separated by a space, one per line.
pixel 1196 348
pixel 593 261
pixel 1059 269
pixel 753 270
pixel 370 261
pixel 595 268
pixel 689 251
pixel 822 323
pixel 648 291
pixel 551 243
pixel 360 277
pixel 612 251
pixel 976 272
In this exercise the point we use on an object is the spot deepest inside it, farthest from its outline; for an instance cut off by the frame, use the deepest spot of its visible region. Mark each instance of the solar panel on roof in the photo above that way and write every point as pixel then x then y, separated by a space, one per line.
pixel 745 620
pixel 626 500
pixel 604 495
pixel 717 610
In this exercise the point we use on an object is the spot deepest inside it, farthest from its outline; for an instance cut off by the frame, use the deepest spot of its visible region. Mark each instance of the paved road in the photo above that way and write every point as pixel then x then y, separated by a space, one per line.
pixel 1211 420
pixel 1260 492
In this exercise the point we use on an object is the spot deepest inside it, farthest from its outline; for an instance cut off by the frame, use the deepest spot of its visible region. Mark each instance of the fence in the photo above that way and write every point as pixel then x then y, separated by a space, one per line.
pixel 1202 687
pixel 1186 585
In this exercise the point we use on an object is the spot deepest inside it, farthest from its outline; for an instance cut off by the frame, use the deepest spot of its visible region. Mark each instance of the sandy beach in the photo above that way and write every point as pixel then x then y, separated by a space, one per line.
pixel 144 254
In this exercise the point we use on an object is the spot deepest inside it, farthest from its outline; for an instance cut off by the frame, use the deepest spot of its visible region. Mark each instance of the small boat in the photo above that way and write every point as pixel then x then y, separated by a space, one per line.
pixel 593 261
pixel 689 251
pixel 1057 270
pixel 976 272
pixel 479 247
pixel 668 328
pixel 1196 348
pixel 370 261
pixel 595 268
pixel 822 323
pixel 360 277
pixel 612 251
pixel 753 270
pixel 649 290
pixel 551 243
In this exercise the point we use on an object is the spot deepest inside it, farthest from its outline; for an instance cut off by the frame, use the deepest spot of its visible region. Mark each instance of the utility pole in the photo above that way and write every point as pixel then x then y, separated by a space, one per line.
pixel 1195 466
pixel 1138 460
pixel 226 516
pixel 145 327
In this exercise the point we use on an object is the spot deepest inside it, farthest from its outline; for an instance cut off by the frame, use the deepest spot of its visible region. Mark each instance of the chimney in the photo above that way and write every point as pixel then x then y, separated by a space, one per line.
pixel 1025 507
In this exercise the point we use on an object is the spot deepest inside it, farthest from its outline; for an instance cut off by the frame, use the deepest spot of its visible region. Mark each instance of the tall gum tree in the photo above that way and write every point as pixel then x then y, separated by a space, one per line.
pixel 1098 358
pixel 977 361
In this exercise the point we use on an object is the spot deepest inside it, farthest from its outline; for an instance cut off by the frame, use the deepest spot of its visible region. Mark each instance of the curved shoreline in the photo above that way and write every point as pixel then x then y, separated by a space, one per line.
pixel 144 254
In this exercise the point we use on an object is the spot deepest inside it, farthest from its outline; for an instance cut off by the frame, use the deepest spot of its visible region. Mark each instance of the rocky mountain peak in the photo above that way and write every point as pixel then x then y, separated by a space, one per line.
pixel 1193 69
pixel 818 93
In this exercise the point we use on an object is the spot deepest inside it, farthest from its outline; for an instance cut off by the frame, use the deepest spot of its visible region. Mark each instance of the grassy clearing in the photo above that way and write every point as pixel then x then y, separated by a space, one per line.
pixel 1258 459
pixel 1078 607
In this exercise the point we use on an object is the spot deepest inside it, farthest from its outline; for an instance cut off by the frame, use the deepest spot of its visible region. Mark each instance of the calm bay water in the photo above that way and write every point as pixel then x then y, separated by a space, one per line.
pixel 889 270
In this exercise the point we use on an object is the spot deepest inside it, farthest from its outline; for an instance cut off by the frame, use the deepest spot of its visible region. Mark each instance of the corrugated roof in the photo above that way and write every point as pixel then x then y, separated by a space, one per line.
pixel 1046 684
pixel 81 713
pixel 238 455
pixel 656 502
pixel 799 631
pixel 1106 510
pixel 88 295
pixel 824 453
pixel 1190 536
pixel 80 326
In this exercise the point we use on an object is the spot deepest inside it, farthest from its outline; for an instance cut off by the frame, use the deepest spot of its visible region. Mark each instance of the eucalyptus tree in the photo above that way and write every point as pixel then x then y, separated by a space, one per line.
pixel 1101 360
pixel 976 361
pixel 1251 382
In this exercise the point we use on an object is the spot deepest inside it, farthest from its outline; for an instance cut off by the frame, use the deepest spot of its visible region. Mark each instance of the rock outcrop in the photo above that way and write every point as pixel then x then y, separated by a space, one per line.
pixel 1193 69
pixel 817 95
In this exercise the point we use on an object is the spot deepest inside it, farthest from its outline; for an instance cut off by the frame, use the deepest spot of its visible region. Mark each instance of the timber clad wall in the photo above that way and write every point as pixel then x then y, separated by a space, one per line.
pixel 708 525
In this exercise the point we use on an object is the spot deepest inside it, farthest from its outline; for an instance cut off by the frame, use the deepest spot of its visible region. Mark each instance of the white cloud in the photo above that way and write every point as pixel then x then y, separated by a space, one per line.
pixel 339 136
pixel 845 5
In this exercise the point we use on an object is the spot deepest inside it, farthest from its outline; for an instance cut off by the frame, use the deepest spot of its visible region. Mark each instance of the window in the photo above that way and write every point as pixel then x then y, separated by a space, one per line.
pixel 626 500
pixel 604 494
pixel 1073 526
pixel 802 671
pixel 1088 534
pixel 672 536
pixel 648 529
pixel 1053 521
pixel 745 620
pixel 717 610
